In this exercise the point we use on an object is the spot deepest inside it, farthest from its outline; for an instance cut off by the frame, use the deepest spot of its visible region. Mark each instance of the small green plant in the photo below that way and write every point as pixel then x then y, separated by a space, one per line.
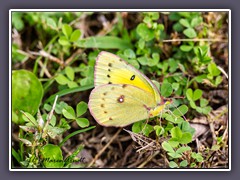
pixel 195 97
pixel 39 131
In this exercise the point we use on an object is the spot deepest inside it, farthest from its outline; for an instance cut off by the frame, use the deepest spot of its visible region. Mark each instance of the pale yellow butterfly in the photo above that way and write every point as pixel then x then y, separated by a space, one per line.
pixel 122 94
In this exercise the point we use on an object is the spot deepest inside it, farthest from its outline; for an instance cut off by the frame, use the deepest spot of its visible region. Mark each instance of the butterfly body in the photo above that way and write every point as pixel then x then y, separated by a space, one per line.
pixel 122 94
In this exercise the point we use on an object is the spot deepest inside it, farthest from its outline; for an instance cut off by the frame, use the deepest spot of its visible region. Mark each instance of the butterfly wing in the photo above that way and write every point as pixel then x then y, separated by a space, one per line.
pixel 120 104
pixel 111 69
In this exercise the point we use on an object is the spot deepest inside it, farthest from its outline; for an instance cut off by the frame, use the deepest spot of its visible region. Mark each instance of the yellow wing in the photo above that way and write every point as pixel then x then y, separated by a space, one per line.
pixel 111 69
pixel 120 104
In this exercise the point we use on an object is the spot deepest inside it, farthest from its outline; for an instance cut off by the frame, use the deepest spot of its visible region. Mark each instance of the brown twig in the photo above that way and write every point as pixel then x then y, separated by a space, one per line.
pixel 47 55
pixel 104 148
pixel 148 159
pixel 69 60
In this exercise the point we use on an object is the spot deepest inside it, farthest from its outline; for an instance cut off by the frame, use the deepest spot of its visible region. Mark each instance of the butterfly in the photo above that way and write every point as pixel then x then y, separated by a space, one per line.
pixel 122 94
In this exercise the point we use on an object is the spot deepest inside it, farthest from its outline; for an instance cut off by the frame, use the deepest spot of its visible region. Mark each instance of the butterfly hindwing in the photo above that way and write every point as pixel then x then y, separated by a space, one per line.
pixel 120 104
pixel 111 69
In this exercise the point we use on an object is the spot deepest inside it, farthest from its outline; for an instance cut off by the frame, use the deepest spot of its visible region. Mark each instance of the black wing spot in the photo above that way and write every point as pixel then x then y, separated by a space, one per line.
pixel 120 60
pixel 121 99
pixel 105 93
pixel 110 64
pixel 132 78
pixel 110 118
pixel 109 70
pixel 109 82
pixel 108 76
pixel 105 112
pixel 102 105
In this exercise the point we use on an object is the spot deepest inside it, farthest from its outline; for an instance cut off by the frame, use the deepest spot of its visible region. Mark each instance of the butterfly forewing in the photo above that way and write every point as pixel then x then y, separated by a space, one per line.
pixel 111 69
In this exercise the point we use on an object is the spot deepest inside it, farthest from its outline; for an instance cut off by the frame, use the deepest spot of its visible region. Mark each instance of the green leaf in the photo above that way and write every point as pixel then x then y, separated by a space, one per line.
pixel 47 107
pixel 206 110
pixel 176 133
pixel 203 102
pixel 186 48
pixel 67 30
pixel 29 118
pixel 104 42
pixel 53 132
pixel 173 65
pixel 141 43
pixel 147 129
pixel 185 126
pixel 69 112
pixel 51 156
pixel 60 106
pixel 183 149
pixel 184 14
pixel 63 41
pixel 190 33
pixel 17 21
pixel 82 122
pixel 166 89
pixel 185 23
pixel 70 73
pixel 197 94
pixel 178 27
pixel 129 53
pixel 172 164
pixel 64 124
pixel 134 63
pixel 192 104
pixel 197 156
pixel 174 155
pixel 137 127
pixel 186 138
pixel 86 81
pixel 27 93
pixel 25 141
pixel 175 86
pixel 16 155
pixel 154 15
pixel 196 21
pixel 173 142
pixel 52 23
pixel 218 80
pixel 53 120
pixel 144 32
pixel 61 79
pixel 143 60
pixel 189 94
pixel 213 70
pixel 81 108
pixel 180 111
pixel 200 78
pixel 72 84
pixel 192 165
pixel 183 163
pixel 159 130
pixel 75 35
pixel 167 147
